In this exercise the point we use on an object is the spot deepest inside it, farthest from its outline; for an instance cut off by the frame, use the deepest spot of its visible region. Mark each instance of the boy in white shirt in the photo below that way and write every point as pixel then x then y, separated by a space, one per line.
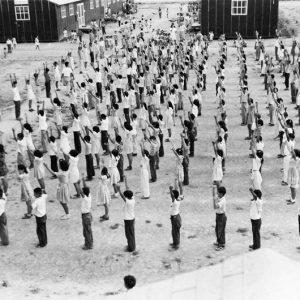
pixel 86 205
pixel 39 210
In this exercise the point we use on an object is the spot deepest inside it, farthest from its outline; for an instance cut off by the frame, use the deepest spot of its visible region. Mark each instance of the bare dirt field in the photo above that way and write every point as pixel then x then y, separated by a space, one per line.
pixel 63 270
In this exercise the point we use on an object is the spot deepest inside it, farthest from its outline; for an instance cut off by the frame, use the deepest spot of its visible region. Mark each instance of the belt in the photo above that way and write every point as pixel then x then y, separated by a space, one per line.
pixel 86 214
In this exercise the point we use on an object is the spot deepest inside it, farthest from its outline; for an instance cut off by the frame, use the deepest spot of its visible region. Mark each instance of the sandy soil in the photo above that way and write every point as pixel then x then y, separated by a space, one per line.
pixel 62 269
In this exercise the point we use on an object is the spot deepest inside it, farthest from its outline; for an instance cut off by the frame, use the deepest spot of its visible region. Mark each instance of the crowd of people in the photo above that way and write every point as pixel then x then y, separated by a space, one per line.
pixel 132 92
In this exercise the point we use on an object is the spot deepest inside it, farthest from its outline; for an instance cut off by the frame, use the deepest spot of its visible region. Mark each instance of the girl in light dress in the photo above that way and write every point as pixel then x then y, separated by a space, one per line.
pixel 74 172
pixel 115 122
pixel 30 94
pixel 43 126
pixel 128 143
pixel 95 141
pixel 57 114
pixel 104 196
pixel 26 190
pixel 21 147
pixel 63 193
pixel 114 172
pixel 39 171
pixel 217 166
pixel 57 75
pixel 143 117
pixel 64 142
pixel 145 188
pixel 29 142
pixel 169 120
pixel 85 120
pixel 293 175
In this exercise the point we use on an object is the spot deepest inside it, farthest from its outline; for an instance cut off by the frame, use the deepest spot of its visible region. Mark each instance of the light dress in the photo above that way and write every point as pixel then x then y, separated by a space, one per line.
pixel 73 169
pixel 145 176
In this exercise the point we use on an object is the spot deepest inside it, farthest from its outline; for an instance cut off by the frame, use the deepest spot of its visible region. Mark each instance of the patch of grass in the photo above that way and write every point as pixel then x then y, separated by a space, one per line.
pixel 285 26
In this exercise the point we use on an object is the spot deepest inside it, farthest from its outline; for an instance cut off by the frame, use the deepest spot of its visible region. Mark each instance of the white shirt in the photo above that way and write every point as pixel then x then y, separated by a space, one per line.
pixel 42 122
pixel 76 125
pixel 256 209
pixel 98 77
pixel 175 207
pixel 104 125
pixel 16 93
pixel 67 71
pixel 39 206
pixel 221 205
pixel 2 204
pixel 86 204
pixel 128 209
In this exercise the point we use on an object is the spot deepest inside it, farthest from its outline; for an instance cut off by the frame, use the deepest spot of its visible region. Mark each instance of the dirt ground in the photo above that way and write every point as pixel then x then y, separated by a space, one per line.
pixel 62 269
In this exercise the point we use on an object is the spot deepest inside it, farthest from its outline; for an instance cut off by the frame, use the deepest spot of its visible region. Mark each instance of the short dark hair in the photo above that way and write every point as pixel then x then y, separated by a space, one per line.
pixel 129 281
pixel 258 193
pixel 128 194
pixel 38 191
pixel 86 191
pixel 222 190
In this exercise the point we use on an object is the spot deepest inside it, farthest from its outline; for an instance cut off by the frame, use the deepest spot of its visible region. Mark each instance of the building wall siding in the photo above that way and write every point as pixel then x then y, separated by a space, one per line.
pixel 215 15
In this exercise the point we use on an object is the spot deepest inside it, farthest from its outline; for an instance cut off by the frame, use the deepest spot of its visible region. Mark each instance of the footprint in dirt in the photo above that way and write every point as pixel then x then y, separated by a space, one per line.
pixel 158 225
pixel 192 236
pixel 147 221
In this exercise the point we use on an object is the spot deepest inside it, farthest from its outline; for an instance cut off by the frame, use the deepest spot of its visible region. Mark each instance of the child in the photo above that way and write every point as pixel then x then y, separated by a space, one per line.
pixel 114 172
pixel 16 96
pixel 53 153
pixel 217 166
pixel 22 147
pixel 26 190
pixel 255 216
pixel 175 216
pixel 64 142
pixel 128 144
pixel 119 147
pixel 3 220
pixel 86 205
pixel 129 216
pixel 104 134
pixel 39 171
pixel 169 120
pixel 88 157
pixel 43 126
pixel 74 172
pixel 104 196
pixel 39 210
pixel 63 193
pixel 179 167
pixel 30 95
pixel 144 172
pixel 219 193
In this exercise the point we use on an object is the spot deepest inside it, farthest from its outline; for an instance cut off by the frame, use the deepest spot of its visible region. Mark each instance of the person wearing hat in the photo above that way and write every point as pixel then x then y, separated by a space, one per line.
pixel 255 216
pixel 129 217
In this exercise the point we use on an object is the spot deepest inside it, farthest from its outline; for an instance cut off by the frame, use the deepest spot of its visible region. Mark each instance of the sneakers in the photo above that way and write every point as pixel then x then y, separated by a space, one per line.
pixel 86 248
pixel 27 216
pixel 104 218
pixel 290 202
pixel 220 248
pixel 65 217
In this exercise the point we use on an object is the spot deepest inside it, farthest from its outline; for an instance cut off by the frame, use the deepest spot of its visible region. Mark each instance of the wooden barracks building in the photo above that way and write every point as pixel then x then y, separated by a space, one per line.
pixel 25 19
pixel 243 16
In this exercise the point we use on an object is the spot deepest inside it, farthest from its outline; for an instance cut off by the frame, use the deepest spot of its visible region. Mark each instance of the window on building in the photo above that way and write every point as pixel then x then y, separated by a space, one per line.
pixel 22 13
pixel 71 9
pixel 91 4
pixel 97 3
pixel 63 11
pixel 239 7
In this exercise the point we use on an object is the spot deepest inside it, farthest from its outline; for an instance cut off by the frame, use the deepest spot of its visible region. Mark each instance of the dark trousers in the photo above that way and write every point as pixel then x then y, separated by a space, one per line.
pixel 185 164
pixel 130 235
pixel 99 89
pixel 77 142
pixel 161 147
pixel 129 78
pixel 220 228
pixel 48 88
pixel 104 140
pixel 87 230
pixel 294 92
pixel 126 114
pixel 287 80
pixel 17 109
pixel 256 224
pixel 176 224
pixel 53 163
pixel 152 168
pixel 90 166
pixel 41 230
pixel 192 143
pixel 3 230
pixel 119 95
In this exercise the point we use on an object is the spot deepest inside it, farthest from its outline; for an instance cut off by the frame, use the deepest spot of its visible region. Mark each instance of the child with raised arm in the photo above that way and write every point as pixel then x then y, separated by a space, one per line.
pixel 129 216
pixel 43 126
pixel 86 215
pixel 179 167
pixel 175 215
pixel 144 172
pixel 16 96
pixel 3 220
pixel 104 196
